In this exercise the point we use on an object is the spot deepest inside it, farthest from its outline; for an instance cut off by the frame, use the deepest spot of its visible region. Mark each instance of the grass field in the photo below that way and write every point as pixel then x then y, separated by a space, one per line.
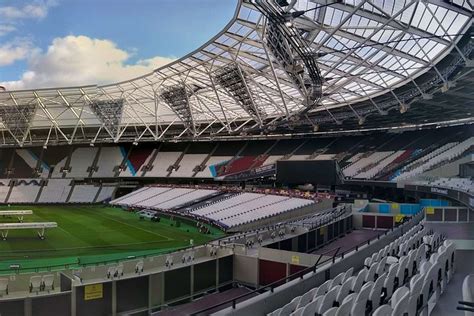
pixel 88 234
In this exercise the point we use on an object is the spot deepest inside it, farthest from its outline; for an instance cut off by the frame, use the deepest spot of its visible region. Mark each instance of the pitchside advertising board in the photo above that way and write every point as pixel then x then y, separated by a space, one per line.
pixel 323 172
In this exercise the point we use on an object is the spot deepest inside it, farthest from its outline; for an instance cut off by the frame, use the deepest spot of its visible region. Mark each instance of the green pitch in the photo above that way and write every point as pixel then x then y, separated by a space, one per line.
pixel 89 234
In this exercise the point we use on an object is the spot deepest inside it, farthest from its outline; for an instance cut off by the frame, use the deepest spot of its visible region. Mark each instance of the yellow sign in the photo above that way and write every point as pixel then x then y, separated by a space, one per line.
pixel 430 210
pixel 93 291
pixel 395 206
pixel 399 218
pixel 295 259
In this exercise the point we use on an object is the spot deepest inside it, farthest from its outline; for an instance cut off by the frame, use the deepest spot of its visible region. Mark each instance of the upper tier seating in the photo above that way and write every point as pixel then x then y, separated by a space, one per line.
pixel 428 156
pixel 240 164
pixel 214 160
pixel 109 159
pixel 373 169
pixel 187 165
pixel 136 160
pixel 161 164
pixel 32 160
pixel 442 155
pixel 365 161
pixel 81 160
pixel 272 159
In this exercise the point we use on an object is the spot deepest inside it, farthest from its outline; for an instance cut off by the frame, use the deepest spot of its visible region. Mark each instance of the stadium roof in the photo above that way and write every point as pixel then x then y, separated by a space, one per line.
pixel 306 65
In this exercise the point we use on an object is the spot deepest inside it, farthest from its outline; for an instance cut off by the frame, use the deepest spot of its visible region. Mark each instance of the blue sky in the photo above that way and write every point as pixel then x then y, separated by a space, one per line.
pixel 39 38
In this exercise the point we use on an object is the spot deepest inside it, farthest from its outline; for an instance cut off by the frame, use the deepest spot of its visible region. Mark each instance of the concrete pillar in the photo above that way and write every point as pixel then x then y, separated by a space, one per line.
pixel 73 301
pixel 28 307
pixel 114 298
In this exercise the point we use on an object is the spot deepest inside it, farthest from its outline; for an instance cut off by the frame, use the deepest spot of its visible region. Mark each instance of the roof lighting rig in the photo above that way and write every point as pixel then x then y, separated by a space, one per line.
pixel 109 113
pixel 16 119
pixel 233 79
pixel 292 52
pixel 177 97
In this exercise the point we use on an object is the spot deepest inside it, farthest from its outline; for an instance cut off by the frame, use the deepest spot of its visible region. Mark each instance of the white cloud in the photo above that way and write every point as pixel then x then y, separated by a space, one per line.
pixel 13 51
pixel 36 10
pixel 6 28
pixel 81 60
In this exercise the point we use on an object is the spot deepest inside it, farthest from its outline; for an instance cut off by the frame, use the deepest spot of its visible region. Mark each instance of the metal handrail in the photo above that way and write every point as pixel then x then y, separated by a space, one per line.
pixel 301 273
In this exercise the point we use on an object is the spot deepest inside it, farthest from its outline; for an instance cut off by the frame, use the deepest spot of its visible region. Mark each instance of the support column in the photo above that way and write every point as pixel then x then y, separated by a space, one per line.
pixel 191 290
pixel 114 298
pixel 217 273
pixel 28 307
pixel 73 301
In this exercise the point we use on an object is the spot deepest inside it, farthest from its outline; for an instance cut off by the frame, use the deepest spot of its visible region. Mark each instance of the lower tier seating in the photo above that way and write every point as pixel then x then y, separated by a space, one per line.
pixel 404 278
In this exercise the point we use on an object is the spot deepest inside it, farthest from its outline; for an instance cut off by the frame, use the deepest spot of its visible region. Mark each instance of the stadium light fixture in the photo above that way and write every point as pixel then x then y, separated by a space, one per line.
pixel 403 108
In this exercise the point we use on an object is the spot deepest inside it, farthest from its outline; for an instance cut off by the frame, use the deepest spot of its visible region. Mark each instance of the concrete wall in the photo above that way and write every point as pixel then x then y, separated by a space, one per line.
pixel 246 270
pixel 303 259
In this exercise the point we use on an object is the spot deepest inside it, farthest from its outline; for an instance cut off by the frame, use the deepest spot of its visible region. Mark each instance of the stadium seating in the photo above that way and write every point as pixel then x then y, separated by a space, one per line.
pixel 230 210
pixel 214 160
pixel 405 284
pixel 248 207
pixel 162 163
pixel 467 295
pixel 240 164
pixel 81 161
pixel 138 158
pixel 139 196
pixel 109 159
pixel 106 193
pixel 442 155
pixel 24 193
pixel 373 169
pixel 32 160
pixel 182 199
pixel 365 161
pixel 83 193
pixel 459 184
pixel 188 164
pixel 162 197
pixel 4 189
pixel 56 191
